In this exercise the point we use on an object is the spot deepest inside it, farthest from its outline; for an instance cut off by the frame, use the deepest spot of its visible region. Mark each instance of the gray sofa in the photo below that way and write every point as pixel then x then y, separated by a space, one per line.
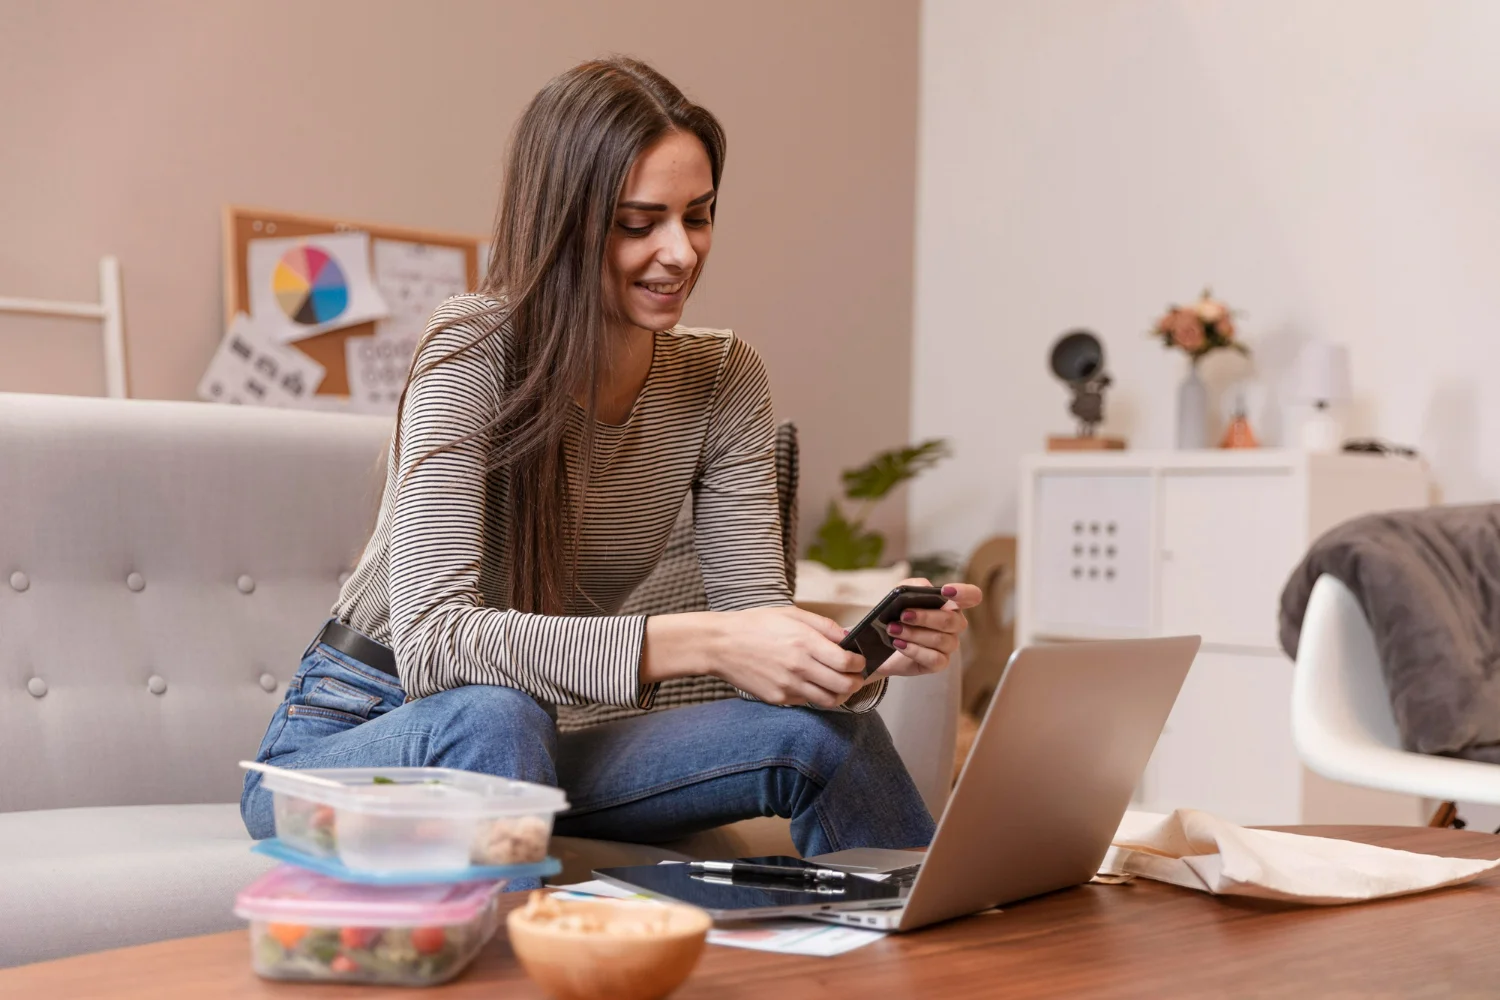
pixel 162 568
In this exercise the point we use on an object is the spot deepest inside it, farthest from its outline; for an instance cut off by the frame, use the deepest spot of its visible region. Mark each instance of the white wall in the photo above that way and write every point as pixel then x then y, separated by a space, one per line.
pixel 1331 168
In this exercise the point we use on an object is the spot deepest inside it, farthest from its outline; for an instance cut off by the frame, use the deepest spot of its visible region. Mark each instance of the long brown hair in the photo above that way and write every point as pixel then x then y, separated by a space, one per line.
pixel 569 157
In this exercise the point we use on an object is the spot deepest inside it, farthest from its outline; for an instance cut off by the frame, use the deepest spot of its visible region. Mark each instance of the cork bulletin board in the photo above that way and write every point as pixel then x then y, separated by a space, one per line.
pixel 242 224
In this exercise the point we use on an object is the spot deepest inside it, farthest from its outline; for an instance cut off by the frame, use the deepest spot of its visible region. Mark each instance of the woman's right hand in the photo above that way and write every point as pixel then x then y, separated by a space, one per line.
pixel 781 655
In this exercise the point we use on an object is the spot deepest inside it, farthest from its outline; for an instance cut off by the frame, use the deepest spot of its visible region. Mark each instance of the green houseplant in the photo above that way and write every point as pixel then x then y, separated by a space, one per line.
pixel 843 542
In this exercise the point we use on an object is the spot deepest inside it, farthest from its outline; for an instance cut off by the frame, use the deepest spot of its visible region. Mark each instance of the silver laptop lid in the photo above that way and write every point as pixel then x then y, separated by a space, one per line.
pixel 1058 755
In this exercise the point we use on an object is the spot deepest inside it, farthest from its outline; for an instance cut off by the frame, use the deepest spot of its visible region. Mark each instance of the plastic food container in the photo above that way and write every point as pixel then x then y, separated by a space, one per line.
pixel 274 849
pixel 419 819
pixel 307 926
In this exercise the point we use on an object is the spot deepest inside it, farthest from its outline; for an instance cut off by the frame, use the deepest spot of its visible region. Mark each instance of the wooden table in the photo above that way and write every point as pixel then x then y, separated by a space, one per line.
pixel 1139 939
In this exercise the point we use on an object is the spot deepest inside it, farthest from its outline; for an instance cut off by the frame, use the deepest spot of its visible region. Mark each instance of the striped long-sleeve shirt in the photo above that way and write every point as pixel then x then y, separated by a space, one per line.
pixel 434 580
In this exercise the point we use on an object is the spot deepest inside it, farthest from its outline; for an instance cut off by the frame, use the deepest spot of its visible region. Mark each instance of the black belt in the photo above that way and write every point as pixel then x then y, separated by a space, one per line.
pixel 364 649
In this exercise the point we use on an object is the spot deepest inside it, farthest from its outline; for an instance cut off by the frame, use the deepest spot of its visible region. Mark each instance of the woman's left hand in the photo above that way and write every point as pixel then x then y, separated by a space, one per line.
pixel 925 640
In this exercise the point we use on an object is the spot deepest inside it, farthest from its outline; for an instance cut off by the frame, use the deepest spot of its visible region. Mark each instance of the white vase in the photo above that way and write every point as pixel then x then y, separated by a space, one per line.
pixel 1192 411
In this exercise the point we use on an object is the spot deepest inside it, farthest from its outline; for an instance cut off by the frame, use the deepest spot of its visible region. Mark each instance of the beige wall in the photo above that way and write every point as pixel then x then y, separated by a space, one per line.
pixel 127 125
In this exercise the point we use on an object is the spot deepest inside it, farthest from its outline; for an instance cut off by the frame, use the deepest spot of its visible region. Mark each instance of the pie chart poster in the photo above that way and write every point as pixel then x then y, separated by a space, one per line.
pixel 305 285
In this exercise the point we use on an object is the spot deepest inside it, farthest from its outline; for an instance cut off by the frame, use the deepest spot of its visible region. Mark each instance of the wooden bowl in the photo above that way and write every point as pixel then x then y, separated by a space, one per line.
pixel 615 949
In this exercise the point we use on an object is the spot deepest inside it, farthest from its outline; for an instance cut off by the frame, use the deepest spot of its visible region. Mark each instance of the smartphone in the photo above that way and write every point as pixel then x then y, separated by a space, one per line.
pixel 869 638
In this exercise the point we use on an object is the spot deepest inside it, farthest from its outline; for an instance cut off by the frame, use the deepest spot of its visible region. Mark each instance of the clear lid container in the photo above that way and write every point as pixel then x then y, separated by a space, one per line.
pixel 418 791
pixel 295 895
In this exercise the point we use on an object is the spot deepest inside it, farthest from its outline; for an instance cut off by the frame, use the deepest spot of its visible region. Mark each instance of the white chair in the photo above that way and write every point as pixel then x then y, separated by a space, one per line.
pixel 1342 722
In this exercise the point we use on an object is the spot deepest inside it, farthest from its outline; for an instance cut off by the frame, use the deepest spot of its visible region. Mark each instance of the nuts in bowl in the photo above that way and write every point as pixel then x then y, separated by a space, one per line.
pixel 619 949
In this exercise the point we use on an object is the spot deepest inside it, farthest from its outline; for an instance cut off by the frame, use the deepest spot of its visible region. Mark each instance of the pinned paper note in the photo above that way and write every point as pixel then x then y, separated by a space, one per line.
pixel 376 367
pixel 482 252
pixel 414 279
pixel 250 368
pixel 304 286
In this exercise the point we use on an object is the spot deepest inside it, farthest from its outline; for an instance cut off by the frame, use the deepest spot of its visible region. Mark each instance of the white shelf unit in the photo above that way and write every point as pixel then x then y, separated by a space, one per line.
pixel 1132 544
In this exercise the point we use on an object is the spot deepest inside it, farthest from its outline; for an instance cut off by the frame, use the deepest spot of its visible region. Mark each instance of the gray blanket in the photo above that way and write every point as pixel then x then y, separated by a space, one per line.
pixel 1429 582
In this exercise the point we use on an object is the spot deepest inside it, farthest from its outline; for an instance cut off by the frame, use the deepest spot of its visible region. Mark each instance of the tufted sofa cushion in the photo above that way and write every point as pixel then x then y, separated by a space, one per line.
pixel 162 567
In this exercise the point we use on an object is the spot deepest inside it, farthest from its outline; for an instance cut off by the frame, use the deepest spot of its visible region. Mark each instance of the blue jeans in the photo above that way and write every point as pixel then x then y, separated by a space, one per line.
pixel 647 779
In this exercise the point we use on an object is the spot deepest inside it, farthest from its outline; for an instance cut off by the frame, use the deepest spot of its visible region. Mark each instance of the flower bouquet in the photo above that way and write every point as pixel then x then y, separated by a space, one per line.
pixel 1197 330
pixel 1206 325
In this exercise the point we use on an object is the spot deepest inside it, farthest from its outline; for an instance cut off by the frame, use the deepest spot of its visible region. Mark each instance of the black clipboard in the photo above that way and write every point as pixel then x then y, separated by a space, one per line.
pixel 751 898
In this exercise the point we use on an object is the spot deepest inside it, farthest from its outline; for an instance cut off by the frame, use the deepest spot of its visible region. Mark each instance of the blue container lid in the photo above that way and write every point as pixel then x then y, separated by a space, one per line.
pixel 333 868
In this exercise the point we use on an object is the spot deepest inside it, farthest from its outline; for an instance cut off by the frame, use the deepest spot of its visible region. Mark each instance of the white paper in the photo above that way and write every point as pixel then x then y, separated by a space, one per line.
pixel 787 936
pixel 1136 822
pixel 1197 850
pixel 305 285
pixel 376 367
pixel 598 888
pixel 250 368
pixel 795 937
pixel 482 254
pixel 414 279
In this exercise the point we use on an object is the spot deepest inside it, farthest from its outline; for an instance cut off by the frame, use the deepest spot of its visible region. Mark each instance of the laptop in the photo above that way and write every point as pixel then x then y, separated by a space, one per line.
pixel 1052 770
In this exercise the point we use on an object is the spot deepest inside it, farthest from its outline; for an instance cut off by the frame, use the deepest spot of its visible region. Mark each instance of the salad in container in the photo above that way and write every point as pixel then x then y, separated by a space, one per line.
pixel 307 926
pixel 413 819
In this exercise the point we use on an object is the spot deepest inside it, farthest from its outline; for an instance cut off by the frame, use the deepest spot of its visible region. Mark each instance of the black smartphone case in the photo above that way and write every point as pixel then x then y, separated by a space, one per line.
pixel 869 638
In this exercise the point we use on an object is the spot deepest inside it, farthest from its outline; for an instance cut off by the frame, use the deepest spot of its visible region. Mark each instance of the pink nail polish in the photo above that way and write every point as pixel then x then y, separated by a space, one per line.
pixel 894 628
pixel 899 643
pixel 908 616
pixel 950 591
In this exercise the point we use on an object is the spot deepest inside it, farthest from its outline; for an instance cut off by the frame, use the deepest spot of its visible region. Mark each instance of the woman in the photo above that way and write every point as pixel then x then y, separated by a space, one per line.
pixel 546 439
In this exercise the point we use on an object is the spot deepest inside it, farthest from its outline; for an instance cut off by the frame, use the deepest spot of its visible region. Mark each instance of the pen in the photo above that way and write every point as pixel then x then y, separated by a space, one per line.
pixel 769 885
pixel 772 871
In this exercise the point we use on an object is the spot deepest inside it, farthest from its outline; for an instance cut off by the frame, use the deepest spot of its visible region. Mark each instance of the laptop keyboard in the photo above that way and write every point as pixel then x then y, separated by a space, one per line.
pixel 902 878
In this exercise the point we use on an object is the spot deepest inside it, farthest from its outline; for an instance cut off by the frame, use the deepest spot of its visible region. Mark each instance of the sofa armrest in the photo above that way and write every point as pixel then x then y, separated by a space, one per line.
pixel 922 716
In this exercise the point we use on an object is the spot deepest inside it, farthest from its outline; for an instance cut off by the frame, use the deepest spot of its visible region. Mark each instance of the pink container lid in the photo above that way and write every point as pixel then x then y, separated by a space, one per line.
pixel 294 895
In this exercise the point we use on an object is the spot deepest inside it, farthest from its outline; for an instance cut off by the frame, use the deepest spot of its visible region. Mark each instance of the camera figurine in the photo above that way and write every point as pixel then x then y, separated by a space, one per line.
pixel 1078 359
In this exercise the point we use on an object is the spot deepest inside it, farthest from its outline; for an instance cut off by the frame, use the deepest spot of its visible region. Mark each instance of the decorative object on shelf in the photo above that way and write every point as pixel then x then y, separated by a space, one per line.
pixel 1192 411
pixel 1238 434
pixel 1374 446
pixel 1322 381
pixel 992 625
pixel 845 595
pixel 1197 330
pixel 1078 359
pixel 843 542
